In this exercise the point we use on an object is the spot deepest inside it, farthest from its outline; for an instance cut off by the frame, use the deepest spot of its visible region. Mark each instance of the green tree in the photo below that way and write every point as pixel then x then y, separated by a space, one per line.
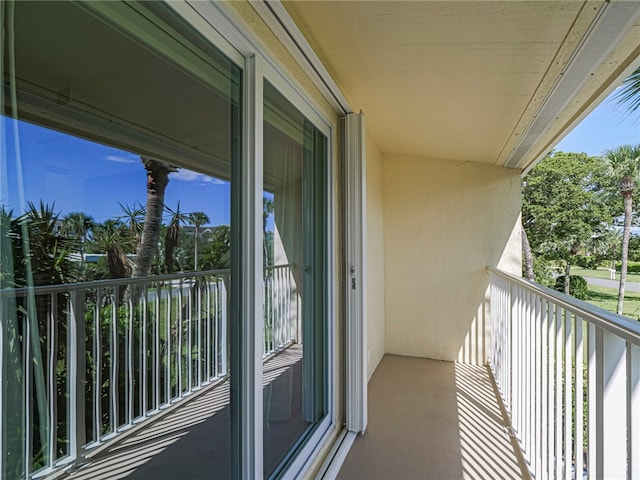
pixel 197 219
pixel 112 238
pixel 172 237
pixel 40 256
pixel 78 225
pixel 624 166
pixel 216 253
pixel 39 250
pixel 634 248
pixel 606 246
pixel 563 206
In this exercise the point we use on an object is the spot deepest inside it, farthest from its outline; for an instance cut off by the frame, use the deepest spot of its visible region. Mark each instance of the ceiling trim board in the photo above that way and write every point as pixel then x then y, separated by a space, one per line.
pixel 280 22
pixel 598 42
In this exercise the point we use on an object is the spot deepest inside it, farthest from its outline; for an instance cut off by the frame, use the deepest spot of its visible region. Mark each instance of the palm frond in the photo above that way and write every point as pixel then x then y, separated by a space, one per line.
pixel 628 95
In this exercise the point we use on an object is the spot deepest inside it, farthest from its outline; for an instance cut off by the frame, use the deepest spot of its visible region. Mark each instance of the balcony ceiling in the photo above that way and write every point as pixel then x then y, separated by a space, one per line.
pixel 466 80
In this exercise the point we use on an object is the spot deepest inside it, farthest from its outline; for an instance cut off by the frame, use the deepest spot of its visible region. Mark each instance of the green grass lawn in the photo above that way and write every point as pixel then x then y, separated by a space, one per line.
pixel 607 298
pixel 602 272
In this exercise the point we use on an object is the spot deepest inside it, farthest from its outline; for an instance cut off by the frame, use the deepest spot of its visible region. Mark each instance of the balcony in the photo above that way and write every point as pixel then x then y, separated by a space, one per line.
pixel 433 419
pixel 107 375
pixel 559 395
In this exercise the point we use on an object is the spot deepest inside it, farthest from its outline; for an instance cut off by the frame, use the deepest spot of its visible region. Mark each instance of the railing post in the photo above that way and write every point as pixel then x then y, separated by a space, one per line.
pixel 97 366
pixel 594 384
pixel 558 392
pixel 551 391
pixel 13 401
pixel 543 466
pixel 614 408
pixel 511 360
pixel 633 409
pixel 224 337
pixel 77 373
pixel 537 394
pixel 579 396
pixel 568 394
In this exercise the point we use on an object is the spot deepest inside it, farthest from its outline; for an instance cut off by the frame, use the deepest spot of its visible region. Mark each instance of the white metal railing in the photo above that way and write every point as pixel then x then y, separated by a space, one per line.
pixel 281 304
pixel 569 376
pixel 83 362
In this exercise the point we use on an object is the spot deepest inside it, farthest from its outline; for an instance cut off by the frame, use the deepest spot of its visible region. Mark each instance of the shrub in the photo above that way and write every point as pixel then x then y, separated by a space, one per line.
pixel 543 272
pixel 632 267
pixel 577 286
pixel 587 261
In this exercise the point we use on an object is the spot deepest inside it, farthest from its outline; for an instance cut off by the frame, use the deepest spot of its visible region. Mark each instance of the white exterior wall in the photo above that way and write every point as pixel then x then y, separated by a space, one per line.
pixel 375 256
pixel 444 223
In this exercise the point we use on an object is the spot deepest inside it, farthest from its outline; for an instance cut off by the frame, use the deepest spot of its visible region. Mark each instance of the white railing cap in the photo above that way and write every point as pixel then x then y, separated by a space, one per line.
pixel 619 325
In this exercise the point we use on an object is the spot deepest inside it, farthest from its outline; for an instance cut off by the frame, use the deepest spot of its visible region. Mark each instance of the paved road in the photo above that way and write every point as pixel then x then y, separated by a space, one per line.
pixel 602 282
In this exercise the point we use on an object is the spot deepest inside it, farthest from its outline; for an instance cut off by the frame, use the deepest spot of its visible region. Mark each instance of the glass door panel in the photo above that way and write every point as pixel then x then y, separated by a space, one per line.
pixel 119 139
pixel 294 397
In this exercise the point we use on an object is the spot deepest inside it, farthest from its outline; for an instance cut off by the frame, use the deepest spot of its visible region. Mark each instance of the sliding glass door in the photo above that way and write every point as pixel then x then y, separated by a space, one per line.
pixel 133 298
pixel 294 321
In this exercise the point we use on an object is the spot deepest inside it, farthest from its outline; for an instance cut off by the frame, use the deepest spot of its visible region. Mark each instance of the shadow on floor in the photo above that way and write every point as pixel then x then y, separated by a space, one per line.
pixel 193 441
pixel 431 420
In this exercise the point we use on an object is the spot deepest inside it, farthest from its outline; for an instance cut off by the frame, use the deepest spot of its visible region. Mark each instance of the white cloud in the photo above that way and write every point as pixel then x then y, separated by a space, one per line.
pixel 117 159
pixel 189 176
pixel 184 175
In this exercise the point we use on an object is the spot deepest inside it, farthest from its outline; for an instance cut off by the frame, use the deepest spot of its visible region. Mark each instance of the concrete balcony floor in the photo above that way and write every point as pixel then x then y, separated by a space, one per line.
pixel 427 420
pixel 433 420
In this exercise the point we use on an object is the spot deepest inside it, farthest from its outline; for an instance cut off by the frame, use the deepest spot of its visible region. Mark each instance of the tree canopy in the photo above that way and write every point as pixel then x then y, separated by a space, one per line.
pixel 565 204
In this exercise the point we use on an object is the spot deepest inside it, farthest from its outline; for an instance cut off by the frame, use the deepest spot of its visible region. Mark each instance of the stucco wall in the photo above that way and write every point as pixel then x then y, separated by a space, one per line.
pixel 375 255
pixel 444 222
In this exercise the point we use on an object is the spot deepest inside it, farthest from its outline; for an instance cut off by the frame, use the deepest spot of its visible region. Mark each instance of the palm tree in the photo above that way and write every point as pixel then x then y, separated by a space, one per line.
pixel 268 207
pixel 629 92
pixel 133 216
pixel 112 238
pixel 624 167
pixel 197 219
pixel 78 225
pixel 157 181
pixel 172 237
pixel 6 248
pixel 41 253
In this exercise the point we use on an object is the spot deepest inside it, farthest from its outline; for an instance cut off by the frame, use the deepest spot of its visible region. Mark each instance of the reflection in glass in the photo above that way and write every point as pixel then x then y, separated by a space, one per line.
pixel 117 151
pixel 294 394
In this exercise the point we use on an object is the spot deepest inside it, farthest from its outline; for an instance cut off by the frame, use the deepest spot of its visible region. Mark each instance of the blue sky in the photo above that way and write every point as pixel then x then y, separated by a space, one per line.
pixel 79 175
pixel 607 126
